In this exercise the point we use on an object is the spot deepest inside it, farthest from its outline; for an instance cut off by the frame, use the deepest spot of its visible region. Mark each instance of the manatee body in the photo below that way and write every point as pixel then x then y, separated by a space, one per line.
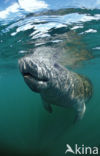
pixel 56 84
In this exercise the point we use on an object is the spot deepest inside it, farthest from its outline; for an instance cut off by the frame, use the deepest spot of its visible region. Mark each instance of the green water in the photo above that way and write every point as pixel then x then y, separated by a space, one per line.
pixel 26 129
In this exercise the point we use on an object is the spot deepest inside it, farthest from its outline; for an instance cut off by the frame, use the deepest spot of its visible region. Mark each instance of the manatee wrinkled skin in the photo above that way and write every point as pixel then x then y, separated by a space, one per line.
pixel 56 84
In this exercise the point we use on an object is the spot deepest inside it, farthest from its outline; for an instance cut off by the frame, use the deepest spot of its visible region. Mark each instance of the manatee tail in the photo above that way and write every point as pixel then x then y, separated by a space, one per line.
pixel 80 112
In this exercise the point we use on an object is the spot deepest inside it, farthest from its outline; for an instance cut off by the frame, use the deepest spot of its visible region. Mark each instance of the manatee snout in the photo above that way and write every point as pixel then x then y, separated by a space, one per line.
pixel 33 72
pixel 27 66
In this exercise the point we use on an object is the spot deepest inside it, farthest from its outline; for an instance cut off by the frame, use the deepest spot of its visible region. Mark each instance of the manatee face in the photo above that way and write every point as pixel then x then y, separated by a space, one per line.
pixel 39 73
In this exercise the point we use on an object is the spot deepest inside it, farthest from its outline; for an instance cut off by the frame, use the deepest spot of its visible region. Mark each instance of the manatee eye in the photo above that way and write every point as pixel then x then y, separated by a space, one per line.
pixel 56 65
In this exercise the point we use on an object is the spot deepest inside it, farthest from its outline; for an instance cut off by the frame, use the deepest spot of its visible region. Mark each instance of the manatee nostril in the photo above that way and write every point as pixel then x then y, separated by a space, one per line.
pixel 22 65
pixel 19 61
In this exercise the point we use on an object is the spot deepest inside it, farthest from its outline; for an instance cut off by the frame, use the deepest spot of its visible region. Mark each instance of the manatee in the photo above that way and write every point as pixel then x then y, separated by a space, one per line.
pixel 56 84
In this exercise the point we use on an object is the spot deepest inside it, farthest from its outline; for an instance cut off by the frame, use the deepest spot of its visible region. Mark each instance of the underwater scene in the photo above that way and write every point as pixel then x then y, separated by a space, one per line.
pixel 64 35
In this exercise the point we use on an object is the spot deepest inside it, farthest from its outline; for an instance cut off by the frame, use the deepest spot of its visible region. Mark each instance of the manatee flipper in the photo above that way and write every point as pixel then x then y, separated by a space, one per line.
pixel 80 112
pixel 47 106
